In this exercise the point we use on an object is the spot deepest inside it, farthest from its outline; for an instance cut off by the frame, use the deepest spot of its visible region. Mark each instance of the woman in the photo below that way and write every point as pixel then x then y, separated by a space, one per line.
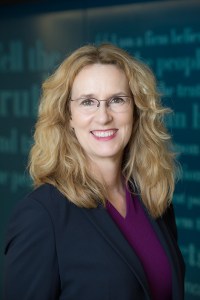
pixel 100 223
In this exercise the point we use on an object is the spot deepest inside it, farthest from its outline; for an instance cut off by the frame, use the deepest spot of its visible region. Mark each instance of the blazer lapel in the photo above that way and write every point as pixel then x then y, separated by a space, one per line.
pixel 169 244
pixel 104 224
pixel 171 248
pixel 172 251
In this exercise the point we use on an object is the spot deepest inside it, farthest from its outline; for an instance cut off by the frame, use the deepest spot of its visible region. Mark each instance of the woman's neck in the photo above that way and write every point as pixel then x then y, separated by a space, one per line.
pixel 109 173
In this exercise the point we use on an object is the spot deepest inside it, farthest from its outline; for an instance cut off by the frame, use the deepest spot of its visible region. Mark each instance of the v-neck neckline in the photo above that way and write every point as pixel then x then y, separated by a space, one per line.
pixel 128 199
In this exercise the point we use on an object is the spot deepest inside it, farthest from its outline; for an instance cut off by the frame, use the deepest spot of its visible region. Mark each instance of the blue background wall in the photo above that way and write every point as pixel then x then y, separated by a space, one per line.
pixel 35 38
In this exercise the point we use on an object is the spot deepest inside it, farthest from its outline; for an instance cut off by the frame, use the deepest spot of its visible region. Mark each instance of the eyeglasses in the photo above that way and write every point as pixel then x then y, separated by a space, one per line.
pixel 117 104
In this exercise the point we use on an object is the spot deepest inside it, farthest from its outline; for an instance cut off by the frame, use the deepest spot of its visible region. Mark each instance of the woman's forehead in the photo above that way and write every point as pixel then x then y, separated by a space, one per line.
pixel 100 75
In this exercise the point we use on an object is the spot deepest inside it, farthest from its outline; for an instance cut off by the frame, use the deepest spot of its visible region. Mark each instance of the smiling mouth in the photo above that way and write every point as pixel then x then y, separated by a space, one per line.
pixel 103 133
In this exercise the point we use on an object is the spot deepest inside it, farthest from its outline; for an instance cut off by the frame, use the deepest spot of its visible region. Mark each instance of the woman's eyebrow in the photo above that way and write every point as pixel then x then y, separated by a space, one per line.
pixel 121 93
pixel 86 96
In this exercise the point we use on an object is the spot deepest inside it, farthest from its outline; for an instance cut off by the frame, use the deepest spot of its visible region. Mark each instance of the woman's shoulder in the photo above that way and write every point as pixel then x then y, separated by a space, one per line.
pixel 46 198
pixel 43 190
pixel 38 211
pixel 46 194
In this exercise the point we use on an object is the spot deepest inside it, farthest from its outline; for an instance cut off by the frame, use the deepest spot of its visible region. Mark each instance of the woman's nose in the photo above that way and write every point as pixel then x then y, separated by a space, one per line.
pixel 103 113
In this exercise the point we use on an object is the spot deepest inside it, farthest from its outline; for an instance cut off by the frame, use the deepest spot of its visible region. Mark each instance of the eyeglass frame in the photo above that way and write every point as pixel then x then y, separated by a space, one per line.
pixel 103 100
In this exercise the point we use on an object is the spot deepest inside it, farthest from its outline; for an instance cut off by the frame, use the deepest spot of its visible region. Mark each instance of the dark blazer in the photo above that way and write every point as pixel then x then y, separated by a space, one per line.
pixel 56 250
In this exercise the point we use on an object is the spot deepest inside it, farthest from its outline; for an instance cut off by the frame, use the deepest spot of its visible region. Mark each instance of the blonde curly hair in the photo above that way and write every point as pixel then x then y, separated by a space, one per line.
pixel 57 158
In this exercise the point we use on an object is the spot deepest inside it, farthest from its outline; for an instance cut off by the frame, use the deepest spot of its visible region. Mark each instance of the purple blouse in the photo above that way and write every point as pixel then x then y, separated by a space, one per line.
pixel 138 231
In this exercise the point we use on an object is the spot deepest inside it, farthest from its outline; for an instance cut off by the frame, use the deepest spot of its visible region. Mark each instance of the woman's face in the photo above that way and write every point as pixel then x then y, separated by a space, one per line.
pixel 102 132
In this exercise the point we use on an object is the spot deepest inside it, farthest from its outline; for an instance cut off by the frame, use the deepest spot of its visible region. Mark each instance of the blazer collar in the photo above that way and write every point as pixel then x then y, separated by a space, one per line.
pixel 172 251
pixel 169 243
pixel 175 257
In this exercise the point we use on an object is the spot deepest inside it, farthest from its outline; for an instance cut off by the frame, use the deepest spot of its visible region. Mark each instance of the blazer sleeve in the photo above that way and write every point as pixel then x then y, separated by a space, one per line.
pixel 31 267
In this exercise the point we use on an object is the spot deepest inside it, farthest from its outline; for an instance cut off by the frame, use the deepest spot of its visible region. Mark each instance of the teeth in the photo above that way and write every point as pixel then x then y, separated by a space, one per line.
pixel 103 133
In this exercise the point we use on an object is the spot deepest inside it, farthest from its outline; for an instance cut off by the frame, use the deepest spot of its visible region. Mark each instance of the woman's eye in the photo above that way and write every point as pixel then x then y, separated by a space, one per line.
pixel 87 102
pixel 117 100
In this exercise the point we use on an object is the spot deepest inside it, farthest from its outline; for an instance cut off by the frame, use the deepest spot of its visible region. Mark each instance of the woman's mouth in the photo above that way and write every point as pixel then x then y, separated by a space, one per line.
pixel 104 134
